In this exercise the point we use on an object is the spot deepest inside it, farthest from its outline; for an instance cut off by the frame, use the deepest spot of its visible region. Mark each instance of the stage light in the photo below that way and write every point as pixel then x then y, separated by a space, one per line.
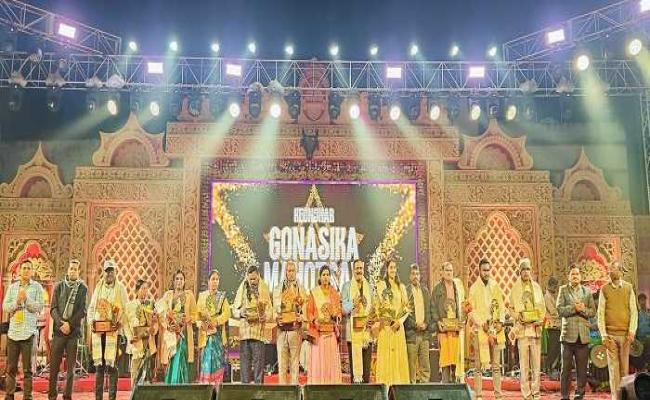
pixel 234 109
pixel 67 31
pixel 582 62
pixel 252 47
pixel 293 103
pixel 154 108
pixel 354 111
pixel 374 50
pixel 394 112
pixel 477 72
pixel 644 5
pixel 155 67
pixel 511 112
pixel 288 50
pixel 91 101
pixel 474 111
pixel 434 112
pixel 454 51
pixel 111 106
pixel 394 72
pixel 555 36
pixel 53 101
pixel 334 105
pixel 492 52
pixel 215 47
pixel 254 102
pixel 15 101
pixel 133 46
pixel 374 106
pixel 414 50
pixel 634 47
pixel 233 69
pixel 334 50
pixel 173 46
pixel 275 111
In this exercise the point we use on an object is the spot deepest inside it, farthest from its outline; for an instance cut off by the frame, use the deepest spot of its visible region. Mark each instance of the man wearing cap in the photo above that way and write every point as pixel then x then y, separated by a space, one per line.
pixel 67 309
pixel 527 300
pixel 106 318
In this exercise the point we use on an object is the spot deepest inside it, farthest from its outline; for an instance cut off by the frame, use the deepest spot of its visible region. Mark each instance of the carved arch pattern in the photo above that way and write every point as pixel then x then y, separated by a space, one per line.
pixel 585 176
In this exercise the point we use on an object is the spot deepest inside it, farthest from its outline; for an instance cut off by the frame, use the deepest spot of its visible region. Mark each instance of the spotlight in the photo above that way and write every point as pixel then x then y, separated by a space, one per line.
pixel 393 72
pixel 374 106
pixel 215 47
pixel 15 98
pixel 173 46
pixel 111 106
pixel 555 36
pixel 91 101
pixel 275 110
pixel 334 50
pixel 293 101
pixel 154 108
pixel 155 67
pixel 334 105
pixel 53 101
pixel 254 103
pixel 67 31
pixel 582 62
pixel 634 47
pixel 644 5
pixel 133 46
pixel 474 111
pixel 435 112
pixel 374 50
pixel 477 72
pixel 234 109
pixel 288 50
pixel 354 111
pixel 511 112
pixel 492 52
pixel 414 50
pixel 233 69
pixel 454 51
pixel 394 112
pixel 252 47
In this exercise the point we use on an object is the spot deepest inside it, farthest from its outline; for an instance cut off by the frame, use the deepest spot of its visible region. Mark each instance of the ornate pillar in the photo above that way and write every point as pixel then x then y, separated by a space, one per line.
pixel 435 208
pixel 190 220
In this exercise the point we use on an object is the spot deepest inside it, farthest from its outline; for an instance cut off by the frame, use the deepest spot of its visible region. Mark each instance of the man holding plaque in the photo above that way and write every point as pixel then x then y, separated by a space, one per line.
pixel 357 304
pixel 68 308
pixel 418 328
pixel 487 317
pixel 106 318
pixel 527 300
pixel 617 323
pixel 575 305
pixel 23 302
pixel 288 300
pixel 252 306
pixel 447 300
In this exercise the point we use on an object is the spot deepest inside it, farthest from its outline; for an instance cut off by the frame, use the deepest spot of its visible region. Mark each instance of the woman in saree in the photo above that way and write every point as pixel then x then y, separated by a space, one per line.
pixel 391 310
pixel 177 309
pixel 324 317
pixel 213 312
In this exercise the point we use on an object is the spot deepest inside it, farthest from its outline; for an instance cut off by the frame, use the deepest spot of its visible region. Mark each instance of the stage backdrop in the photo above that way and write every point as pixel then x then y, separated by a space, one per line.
pixel 314 223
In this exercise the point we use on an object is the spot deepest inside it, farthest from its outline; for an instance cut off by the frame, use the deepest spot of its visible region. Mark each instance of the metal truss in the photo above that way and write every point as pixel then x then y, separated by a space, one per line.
pixel 35 21
pixel 620 16
pixel 645 132
pixel 207 74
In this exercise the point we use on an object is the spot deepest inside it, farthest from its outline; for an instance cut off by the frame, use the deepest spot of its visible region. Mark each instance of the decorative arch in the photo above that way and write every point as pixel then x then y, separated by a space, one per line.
pixel 113 145
pixel 494 140
pixel 38 178
pixel 131 245
pixel 586 182
pixel 501 244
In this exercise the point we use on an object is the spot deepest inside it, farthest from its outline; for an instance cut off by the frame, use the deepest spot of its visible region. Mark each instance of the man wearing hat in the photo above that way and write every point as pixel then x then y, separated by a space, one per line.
pixel 527 300
pixel 106 318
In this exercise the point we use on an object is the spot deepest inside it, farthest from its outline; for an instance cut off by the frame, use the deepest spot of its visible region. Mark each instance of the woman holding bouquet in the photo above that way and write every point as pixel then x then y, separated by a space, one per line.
pixel 178 311
pixel 391 310
pixel 141 333
pixel 214 311
pixel 324 316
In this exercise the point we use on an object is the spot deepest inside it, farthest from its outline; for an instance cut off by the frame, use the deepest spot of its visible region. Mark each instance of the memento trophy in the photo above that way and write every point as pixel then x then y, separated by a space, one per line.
pixel 450 322
pixel 108 316
pixel 529 313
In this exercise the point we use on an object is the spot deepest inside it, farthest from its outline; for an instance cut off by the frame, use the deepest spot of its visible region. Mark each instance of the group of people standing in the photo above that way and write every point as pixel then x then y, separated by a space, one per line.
pixel 396 321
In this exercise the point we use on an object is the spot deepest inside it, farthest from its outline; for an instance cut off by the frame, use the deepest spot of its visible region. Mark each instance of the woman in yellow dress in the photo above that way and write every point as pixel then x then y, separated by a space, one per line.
pixel 391 310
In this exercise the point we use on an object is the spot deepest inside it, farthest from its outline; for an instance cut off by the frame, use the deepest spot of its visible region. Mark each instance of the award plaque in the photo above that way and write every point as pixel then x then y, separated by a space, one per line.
pixel 102 326
pixel 288 318
pixel 530 316
pixel 327 327
pixel 450 324
pixel 141 332
pixel 252 315
pixel 359 323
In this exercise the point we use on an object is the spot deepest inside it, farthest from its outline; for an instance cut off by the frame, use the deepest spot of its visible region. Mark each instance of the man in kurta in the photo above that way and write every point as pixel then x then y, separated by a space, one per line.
pixel 252 306
pixel 575 305
pixel 418 328
pixel 527 300
pixel 106 317
pixel 357 304
pixel 617 323
pixel 552 327
pixel 288 306
pixel 447 300
pixel 487 317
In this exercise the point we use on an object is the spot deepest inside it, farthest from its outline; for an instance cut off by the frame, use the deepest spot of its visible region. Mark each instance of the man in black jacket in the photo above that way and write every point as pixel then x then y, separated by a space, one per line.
pixel 68 308
pixel 418 328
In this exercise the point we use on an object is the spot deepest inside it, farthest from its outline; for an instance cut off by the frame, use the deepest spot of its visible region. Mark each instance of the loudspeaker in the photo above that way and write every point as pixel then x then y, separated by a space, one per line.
pixel 436 391
pixel 344 392
pixel 434 366
pixel 635 387
pixel 161 391
pixel 229 391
